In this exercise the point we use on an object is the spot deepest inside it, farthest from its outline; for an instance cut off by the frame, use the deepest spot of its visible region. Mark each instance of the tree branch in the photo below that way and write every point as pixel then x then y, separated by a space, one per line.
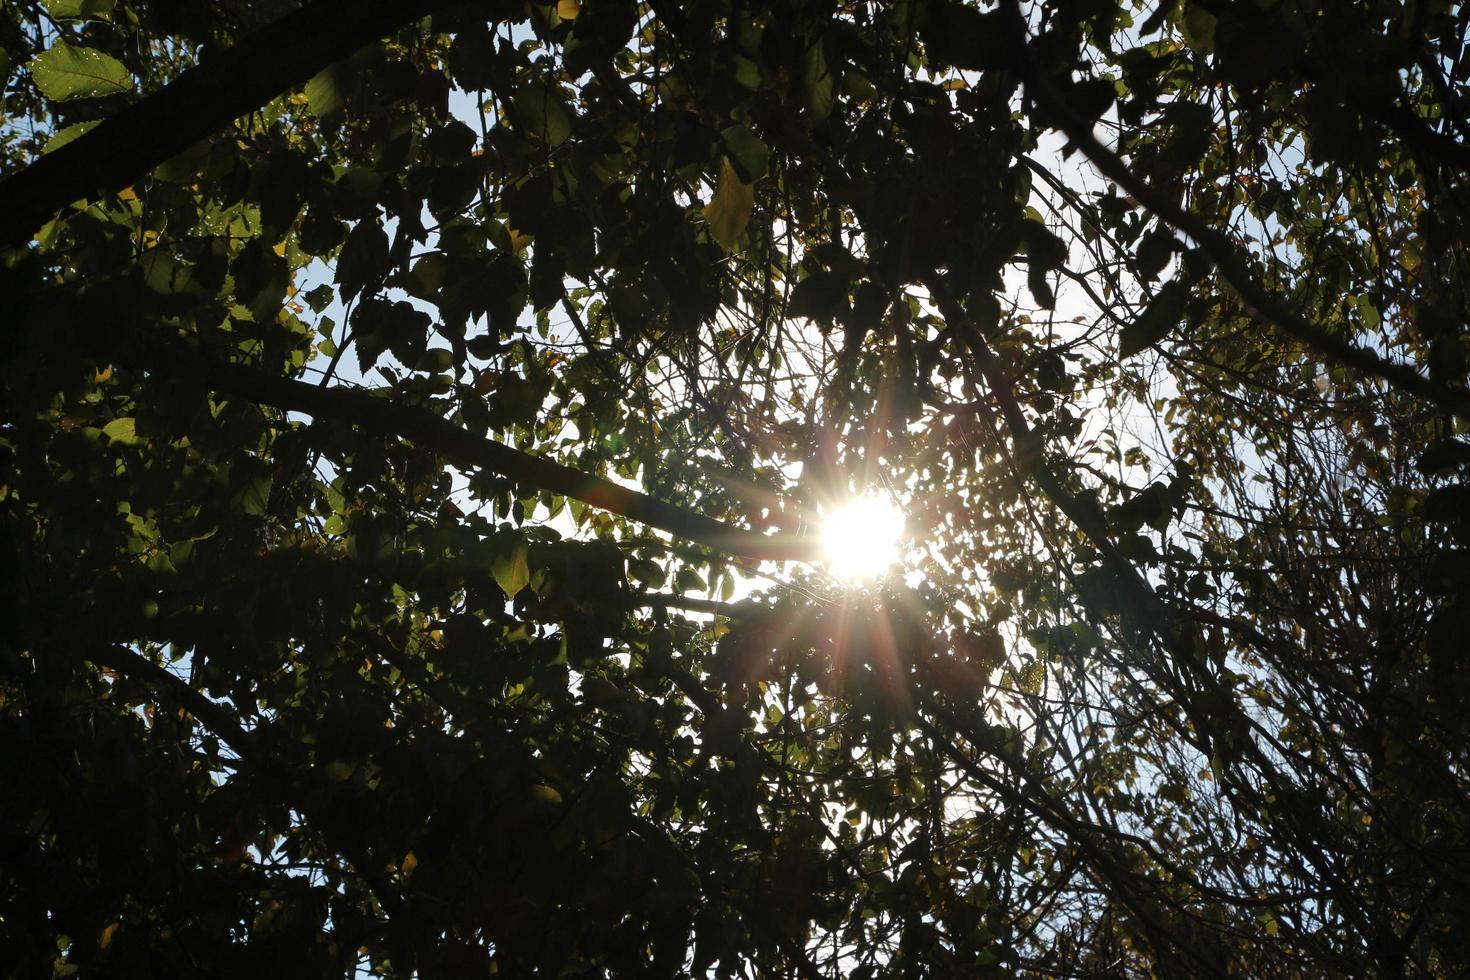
pixel 129 144
pixel 379 414
pixel 1233 268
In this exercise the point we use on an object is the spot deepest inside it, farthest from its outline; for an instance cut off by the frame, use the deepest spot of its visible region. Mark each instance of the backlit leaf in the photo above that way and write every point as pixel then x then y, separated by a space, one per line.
pixel 80 9
pixel 64 71
pixel 728 212
pixel 511 571
pixel 64 136
pixel 122 430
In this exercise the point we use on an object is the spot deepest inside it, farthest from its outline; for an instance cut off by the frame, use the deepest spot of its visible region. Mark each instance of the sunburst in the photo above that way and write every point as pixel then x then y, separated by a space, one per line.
pixel 860 537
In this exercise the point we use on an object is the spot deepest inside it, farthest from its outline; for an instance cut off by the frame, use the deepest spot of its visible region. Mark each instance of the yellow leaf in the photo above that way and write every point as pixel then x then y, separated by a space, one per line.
pixel 568 9
pixel 410 861
pixel 542 793
pixel 105 940
pixel 729 211
pixel 127 194
pixel 519 239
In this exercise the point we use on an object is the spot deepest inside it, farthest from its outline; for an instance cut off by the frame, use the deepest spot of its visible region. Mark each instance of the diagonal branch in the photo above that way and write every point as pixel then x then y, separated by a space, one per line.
pixel 381 415
pixel 1231 265
pixel 129 144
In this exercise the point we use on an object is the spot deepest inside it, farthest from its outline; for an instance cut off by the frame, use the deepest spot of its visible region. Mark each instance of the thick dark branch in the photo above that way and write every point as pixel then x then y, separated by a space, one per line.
pixel 375 413
pixel 1234 269
pixel 127 145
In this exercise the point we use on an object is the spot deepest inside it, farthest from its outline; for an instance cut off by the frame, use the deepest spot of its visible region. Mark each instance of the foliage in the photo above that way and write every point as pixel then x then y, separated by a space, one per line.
pixel 330 325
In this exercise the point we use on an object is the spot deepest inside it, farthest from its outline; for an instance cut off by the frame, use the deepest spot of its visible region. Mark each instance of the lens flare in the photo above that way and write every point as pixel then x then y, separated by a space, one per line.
pixel 860 537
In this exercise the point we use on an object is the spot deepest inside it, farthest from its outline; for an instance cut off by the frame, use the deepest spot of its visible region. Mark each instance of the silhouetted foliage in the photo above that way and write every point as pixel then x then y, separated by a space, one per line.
pixel 417 418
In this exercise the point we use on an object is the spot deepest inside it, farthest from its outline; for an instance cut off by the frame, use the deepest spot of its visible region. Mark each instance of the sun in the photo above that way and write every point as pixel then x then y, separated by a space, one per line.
pixel 860 537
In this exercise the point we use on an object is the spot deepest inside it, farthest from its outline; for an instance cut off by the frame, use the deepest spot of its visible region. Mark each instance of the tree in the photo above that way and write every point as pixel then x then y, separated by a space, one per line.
pixel 332 322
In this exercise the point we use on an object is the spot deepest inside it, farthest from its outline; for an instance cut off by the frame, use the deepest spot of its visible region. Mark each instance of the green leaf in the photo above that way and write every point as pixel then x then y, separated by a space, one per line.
pixel 729 211
pixel 122 430
pixel 1369 313
pixel 184 166
pixel 164 274
pixel 254 494
pixel 511 571
pixel 1198 26
pixel 747 151
pixel 542 113
pixel 80 9
pixel 326 92
pixel 65 72
pixel 819 84
pixel 1154 323
pixel 64 136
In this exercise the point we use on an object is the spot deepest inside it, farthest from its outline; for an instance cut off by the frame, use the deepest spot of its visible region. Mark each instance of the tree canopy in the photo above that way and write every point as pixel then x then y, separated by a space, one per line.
pixel 419 421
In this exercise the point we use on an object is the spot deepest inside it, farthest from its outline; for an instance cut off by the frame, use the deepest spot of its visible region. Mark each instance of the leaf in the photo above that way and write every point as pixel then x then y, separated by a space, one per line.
pixel 1044 252
pixel 184 166
pixel 511 571
pixel 254 494
pixel 1149 506
pixel 688 580
pixel 1198 26
pixel 364 257
pixel 122 430
pixel 1154 323
pixel 748 152
pixel 64 136
pixel 410 861
pixel 820 297
pixel 818 83
pixel 568 9
pixel 542 113
pixel 1369 313
pixel 542 793
pixel 164 274
pixel 80 9
pixel 1154 251
pixel 325 92
pixel 65 72
pixel 729 211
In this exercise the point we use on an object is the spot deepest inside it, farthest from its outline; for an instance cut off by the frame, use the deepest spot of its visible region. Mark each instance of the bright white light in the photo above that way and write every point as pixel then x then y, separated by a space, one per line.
pixel 860 537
